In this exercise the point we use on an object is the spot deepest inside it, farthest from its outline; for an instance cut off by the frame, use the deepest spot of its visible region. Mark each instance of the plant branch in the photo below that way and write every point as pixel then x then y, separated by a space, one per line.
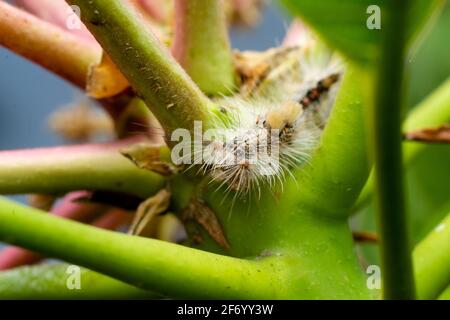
pixel 343 141
pixel 445 295
pixel 151 264
pixel 51 47
pixel 433 111
pixel 50 282
pixel 63 169
pixel 202 46
pixel 396 262
pixel 11 257
pixel 432 262
pixel 155 75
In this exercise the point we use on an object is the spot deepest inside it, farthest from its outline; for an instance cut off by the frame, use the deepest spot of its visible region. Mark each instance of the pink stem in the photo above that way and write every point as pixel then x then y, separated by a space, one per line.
pixel 154 9
pixel 58 13
pixel 47 45
pixel 296 34
pixel 113 219
pixel 50 152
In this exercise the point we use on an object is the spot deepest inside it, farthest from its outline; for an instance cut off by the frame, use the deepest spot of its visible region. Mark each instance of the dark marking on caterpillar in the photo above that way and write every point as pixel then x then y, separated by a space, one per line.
pixel 323 86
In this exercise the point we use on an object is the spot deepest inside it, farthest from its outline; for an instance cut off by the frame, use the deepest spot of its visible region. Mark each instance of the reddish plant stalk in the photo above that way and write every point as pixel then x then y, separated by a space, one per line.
pixel 51 47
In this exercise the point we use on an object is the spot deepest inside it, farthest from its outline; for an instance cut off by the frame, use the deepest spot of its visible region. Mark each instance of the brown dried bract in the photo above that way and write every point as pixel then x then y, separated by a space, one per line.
pixel 206 217
pixel 148 156
pixel 364 236
pixel 105 80
pixel 143 223
pixel 430 135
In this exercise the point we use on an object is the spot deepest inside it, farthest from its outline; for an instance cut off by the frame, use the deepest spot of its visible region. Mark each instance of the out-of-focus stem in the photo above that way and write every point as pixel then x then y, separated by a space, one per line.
pixel 202 46
pixel 432 262
pixel 386 144
pixel 64 169
pixel 58 13
pixel 51 47
pixel 433 111
pixel 113 219
pixel 50 281
pixel 445 295
pixel 295 34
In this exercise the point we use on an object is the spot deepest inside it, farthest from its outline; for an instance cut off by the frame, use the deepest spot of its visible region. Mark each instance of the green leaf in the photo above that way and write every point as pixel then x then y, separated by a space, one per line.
pixel 343 23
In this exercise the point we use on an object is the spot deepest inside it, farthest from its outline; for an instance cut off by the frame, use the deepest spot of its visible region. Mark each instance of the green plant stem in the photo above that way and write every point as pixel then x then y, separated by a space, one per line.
pixel 201 45
pixel 49 281
pixel 47 45
pixel 152 71
pixel 432 262
pixel 165 268
pixel 63 169
pixel 396 262
pixel 328 174
pixel 432 112
pixel 445 295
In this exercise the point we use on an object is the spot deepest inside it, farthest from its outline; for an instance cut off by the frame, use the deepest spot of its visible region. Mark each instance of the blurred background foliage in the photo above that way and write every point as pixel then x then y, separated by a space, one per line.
pixel 28 95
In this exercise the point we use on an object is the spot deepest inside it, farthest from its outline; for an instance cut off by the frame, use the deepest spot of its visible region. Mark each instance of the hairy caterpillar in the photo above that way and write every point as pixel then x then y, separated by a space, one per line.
pixel 274 127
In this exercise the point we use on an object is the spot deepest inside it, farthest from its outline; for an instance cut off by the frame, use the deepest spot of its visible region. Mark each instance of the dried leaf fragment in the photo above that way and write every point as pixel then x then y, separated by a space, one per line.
pixel 206 218
pixel 150 157
pixel 105 79
pixel 144 220
pixel 364 236
pixel 430 135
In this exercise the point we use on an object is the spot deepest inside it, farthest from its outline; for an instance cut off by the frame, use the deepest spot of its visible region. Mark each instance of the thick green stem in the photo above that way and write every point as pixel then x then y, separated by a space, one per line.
pixel 445 295
pixel 306 221
pixel 432 262
pixel 202 46
pixel 398 281
pixel 63 169
pixel 165 268
pixel 49 281
pixel 329 175
pixel 155 75
pixel 432 112
pixel 47 45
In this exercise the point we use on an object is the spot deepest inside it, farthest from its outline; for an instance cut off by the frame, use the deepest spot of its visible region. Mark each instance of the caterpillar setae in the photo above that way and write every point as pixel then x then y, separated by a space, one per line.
pixel 275 125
